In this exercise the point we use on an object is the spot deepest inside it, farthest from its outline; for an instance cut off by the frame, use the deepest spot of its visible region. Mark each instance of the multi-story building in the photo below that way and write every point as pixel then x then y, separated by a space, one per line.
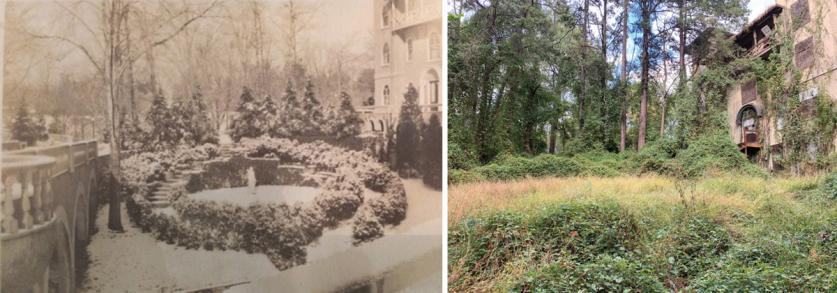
pixel 409 52
pixel 813 24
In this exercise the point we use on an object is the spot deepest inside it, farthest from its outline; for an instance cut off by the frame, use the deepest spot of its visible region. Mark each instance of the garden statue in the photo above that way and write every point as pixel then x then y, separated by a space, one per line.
pixel 251 180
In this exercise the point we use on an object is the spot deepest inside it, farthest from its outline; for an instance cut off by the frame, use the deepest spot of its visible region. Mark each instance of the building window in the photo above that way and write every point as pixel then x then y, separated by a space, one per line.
pixel 434 91
pixel 435 46
pixel 410 50
pixel 431 87
pixel 412 6
pixel 804 53
pixel 800 15
pixel 386 95
pixel 749 92
pixel 385 15
pixel 385 54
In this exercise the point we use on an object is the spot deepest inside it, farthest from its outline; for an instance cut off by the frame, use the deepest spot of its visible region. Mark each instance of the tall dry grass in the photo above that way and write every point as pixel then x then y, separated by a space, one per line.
pixel 640 194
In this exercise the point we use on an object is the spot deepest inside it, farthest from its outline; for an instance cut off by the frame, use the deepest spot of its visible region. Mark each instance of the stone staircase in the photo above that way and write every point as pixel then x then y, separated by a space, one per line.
pixel 226 150
pixel 177 178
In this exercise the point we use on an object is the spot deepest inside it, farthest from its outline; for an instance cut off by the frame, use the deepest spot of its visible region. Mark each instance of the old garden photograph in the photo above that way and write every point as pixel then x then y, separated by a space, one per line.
pixel 222 146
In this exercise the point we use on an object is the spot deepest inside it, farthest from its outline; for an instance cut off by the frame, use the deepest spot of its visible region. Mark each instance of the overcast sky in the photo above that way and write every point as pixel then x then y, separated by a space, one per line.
pixel 757 6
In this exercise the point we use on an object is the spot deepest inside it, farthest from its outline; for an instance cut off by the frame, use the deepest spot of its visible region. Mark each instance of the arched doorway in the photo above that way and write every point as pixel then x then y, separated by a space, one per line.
pixel 747 127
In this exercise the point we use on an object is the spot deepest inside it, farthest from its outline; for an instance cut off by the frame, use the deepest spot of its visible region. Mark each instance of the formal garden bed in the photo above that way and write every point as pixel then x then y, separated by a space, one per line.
pixel 353 189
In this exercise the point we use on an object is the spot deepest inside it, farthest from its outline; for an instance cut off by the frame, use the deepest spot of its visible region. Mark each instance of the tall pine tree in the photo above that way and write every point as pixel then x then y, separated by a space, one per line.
pixel 244 124
pixel 162 123
pixel 431 152
pixel 312 112
pixel 290 121
pixel 24 127
pixel 407 136
pixel 347 120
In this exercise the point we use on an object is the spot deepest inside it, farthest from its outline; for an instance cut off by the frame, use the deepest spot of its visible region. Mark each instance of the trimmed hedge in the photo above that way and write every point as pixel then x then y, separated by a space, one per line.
pixel 278 230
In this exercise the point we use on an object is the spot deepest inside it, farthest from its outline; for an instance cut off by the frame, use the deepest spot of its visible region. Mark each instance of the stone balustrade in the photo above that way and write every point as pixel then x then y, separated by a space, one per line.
pixel 25 194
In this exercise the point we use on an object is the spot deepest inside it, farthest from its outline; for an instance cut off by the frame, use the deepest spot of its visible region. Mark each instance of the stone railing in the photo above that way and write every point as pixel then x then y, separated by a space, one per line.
pixel 25 194
pixel 67 156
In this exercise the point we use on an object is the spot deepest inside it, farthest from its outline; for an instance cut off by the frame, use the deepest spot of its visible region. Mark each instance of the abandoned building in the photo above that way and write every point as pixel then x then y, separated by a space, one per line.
pixel 814 27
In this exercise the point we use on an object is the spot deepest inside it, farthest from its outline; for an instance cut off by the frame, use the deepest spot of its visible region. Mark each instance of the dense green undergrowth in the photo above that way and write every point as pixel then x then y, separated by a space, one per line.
pixel 781 238
pixel 711 154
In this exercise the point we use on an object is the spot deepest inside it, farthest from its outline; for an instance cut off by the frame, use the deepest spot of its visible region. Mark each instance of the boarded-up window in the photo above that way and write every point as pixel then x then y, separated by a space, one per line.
pixel 800 13
pixel 749 92
pixel 804 53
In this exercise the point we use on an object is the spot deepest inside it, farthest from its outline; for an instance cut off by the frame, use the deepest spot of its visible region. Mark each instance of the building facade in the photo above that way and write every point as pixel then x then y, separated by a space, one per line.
pixel 813 24
pixel 409 52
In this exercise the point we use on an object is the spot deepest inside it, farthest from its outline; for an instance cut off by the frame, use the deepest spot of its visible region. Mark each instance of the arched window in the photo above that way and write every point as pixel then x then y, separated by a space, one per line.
pixel 385 15
pixel 381 123
pixel 372 123
pixel 385 54
pixel 434 46
pixel 431 87
pixel 410 50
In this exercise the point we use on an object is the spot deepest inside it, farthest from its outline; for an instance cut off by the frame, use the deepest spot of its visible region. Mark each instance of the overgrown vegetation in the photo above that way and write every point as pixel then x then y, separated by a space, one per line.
pixel 637 234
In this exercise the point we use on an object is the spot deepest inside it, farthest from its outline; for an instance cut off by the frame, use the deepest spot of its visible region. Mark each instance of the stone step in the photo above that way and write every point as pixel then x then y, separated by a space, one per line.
pixel 160 204
pixel 158 199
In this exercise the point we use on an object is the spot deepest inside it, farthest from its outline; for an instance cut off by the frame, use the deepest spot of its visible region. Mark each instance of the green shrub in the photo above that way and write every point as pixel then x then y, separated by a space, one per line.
pixel 456 176
pixel 511 168
pixel 459 158
pixel 605 273
pixel 829 186
pixel 584 230
pixel 766 278
pixel 715 153
pixel 599 170
pixel 481 246
pixel 654 156
pixel 692 245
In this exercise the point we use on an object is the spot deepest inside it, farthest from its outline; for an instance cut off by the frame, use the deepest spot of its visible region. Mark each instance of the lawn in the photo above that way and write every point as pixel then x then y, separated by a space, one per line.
pixel 643 234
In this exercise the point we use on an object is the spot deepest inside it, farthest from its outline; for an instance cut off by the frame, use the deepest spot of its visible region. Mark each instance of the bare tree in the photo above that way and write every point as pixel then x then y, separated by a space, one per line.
pixel 109 49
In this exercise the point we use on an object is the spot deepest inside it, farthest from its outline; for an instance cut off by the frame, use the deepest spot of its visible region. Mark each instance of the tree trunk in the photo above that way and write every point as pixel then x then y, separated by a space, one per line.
pixel 583 93
pixel 552 132
pixel 114 206
pixel 681 23
pixel 623 78
pixel 646 43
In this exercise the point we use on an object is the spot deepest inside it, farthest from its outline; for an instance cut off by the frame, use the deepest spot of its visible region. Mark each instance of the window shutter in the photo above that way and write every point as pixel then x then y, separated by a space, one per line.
pixel 804 53
pixel 800 13
pixel 749 92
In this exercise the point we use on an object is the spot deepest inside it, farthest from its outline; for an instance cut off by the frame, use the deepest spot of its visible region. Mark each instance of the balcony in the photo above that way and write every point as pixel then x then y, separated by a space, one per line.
pixel 423 11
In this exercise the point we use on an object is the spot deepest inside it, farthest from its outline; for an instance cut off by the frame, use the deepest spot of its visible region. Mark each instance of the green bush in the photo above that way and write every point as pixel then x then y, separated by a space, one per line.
pixel 584 230
pixel 829 186
pixel 510 168
pixel 482 246
pixel 692 245
pixel 766 278
pixel 714 153
pixel 459 158
pixel 605 273
pixel 456 176
pixel 654 156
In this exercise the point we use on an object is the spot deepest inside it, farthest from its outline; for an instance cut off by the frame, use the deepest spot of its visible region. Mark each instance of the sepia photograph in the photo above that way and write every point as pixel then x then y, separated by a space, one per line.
pixel 222 146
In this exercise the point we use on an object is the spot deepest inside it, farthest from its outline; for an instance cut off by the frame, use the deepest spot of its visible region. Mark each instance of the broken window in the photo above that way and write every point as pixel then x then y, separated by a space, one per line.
pixel 804 53
pixel 800 13
pixel 749 92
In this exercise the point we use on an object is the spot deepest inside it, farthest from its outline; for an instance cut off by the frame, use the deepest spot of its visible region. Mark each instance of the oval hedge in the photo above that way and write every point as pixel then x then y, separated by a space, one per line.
pixel 279 230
